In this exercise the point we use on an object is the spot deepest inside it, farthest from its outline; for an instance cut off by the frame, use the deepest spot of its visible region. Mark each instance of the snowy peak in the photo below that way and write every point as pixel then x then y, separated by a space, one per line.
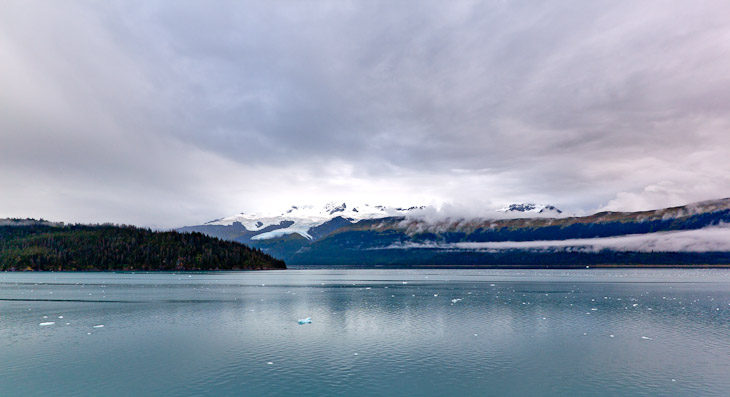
pixel 530 208
pixel 301 219
pixel 332 208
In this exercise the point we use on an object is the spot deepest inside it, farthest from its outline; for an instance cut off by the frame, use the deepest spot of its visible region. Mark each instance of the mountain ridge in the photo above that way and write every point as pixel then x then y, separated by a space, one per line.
pixel 302 219
pixel 405 240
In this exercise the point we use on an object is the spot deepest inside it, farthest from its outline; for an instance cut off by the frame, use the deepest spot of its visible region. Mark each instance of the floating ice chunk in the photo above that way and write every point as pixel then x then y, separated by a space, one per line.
pixel 270 363
pixel 610 336
pixel 635 304
pixel 456 300
pixel 60 316
pixel 98 326
pixel 435 294
pixel 405 282
pixel 355 354
pixel 46 323
pixel 307 320
pixel 646 338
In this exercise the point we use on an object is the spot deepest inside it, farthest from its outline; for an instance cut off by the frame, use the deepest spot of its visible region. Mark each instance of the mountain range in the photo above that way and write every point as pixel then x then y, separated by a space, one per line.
pixel 519 235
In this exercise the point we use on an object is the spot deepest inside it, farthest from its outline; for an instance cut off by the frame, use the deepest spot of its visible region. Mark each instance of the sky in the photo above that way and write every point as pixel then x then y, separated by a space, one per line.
pixel 172 113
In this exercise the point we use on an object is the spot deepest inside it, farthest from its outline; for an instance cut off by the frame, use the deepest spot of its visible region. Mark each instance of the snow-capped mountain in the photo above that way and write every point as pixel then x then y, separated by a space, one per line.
pixel 301 219
pixel 531 209
pixel 520 235
pixel 310 221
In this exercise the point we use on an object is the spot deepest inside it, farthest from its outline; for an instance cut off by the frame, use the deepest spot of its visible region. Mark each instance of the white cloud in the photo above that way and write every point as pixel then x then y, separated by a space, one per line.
pixel 701 240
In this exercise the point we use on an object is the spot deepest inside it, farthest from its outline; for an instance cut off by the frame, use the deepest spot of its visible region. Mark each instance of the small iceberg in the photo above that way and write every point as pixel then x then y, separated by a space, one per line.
pixel 46 323
pixel 98 326
pixel 456 300
pixel 307 320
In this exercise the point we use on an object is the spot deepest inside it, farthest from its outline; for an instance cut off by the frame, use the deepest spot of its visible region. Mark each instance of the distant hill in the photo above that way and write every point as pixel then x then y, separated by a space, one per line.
pixel 696 234
pixel 27 244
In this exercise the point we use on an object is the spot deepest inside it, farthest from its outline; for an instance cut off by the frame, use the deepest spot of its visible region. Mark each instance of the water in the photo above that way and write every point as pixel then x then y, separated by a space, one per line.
pixel 373 332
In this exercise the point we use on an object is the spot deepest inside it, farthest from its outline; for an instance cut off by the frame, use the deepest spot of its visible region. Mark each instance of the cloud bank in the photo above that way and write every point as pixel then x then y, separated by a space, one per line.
pixel 711 239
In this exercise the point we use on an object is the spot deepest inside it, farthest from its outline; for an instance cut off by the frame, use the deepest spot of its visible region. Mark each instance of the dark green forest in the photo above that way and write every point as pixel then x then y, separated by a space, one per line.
pixel 38 246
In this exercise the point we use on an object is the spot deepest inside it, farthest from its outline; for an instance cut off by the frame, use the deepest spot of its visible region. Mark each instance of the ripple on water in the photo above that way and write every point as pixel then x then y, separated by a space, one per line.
pixel 508 332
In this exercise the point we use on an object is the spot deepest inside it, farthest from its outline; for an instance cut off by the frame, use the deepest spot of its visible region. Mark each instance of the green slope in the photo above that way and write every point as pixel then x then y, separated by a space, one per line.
pixel 36 245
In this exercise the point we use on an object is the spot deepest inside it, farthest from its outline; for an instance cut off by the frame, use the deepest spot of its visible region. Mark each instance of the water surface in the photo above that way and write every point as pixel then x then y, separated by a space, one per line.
pixel 373 332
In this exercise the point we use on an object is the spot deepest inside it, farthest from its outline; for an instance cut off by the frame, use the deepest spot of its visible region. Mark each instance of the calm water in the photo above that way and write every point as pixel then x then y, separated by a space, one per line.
pixel 405 332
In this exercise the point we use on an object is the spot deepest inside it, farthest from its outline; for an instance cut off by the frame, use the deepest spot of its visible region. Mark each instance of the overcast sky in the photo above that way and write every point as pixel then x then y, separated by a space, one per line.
pixel 170 113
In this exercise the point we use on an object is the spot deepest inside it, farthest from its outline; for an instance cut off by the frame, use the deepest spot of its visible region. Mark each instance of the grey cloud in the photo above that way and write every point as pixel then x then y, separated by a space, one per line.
pixel 584 105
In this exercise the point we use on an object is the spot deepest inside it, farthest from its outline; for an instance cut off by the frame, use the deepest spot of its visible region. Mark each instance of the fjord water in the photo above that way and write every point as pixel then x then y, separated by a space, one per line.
pixel 373 332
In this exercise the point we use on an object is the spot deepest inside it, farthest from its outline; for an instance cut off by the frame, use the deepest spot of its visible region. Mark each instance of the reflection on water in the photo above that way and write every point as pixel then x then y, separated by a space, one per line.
pixel 376 332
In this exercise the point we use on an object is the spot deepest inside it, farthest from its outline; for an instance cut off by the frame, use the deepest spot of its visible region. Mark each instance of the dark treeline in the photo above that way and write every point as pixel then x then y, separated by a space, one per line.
pixel 365 249
pixel 43 246
pixel 513 258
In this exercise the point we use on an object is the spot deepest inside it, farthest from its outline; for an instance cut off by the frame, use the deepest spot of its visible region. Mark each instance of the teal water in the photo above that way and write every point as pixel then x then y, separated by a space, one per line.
pixel 373 332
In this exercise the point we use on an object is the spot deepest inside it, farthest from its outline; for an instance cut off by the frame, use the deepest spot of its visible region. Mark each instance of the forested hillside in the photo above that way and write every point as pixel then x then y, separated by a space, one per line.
pixel 38 245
